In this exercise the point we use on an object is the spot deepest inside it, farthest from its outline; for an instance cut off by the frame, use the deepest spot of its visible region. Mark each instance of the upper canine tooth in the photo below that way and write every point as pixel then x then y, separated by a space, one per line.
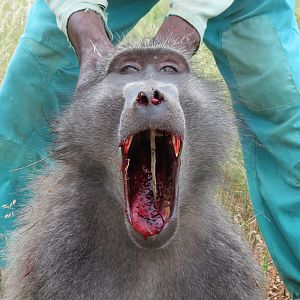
pixel 127 143
pixel 176 144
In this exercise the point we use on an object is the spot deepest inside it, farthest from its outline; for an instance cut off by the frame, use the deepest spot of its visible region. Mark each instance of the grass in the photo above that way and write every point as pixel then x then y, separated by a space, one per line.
pixel 298 11
pixel 12 21
pixel 233 194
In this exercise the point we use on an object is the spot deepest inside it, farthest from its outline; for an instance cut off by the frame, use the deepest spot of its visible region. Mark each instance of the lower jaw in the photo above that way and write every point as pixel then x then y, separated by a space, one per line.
pixel 156 241
pixel 149 226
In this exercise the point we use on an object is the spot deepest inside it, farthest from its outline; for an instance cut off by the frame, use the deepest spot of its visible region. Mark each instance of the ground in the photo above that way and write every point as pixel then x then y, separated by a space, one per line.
pixel 234 193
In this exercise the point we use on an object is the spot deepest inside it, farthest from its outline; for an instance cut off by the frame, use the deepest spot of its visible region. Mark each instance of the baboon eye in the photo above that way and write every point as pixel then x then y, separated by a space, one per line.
pixel 169 69
pixel 129 69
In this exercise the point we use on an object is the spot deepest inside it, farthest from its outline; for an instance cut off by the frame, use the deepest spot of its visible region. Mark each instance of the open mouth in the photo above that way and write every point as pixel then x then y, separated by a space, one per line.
pixel 150 167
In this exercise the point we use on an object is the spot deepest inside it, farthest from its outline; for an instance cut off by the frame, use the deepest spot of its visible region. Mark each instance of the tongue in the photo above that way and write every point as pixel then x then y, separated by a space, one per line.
pixel 145 216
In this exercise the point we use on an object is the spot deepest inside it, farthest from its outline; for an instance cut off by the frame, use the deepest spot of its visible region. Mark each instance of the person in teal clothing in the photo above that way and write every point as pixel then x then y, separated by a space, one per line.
pixel 256 45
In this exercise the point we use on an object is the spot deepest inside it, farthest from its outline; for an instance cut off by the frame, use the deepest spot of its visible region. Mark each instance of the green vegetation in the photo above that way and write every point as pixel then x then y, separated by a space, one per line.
pixel 233 194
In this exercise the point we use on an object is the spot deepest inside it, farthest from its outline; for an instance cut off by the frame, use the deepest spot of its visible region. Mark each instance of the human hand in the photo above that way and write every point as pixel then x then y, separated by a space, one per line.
pixel 177 29
pixel 89 38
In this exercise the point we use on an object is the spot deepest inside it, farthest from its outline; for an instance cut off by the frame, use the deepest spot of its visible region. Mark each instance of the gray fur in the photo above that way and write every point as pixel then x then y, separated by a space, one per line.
pixel 76 243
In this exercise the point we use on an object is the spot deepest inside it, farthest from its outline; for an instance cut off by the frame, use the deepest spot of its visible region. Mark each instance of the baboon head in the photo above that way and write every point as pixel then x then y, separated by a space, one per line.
pixel 153 131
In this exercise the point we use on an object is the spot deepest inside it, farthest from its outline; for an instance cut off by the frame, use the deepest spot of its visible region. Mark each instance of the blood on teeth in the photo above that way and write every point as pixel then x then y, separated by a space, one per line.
pixel 160 201
pixel 127 143
pixel 176 144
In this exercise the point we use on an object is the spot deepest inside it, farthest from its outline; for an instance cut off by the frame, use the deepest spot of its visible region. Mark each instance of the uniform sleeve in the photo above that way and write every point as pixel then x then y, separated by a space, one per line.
pixel 63 9
pixel 198 12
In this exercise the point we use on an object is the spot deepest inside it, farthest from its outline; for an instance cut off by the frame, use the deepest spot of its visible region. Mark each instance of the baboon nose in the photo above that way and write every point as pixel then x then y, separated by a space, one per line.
pixel 155 97
pixel 142 99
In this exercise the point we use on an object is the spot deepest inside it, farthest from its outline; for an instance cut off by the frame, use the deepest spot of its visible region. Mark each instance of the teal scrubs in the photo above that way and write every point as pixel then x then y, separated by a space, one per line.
pixel 256 45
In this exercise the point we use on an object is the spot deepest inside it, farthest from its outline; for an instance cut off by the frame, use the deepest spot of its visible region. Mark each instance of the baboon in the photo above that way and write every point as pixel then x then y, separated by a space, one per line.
pixel 129 211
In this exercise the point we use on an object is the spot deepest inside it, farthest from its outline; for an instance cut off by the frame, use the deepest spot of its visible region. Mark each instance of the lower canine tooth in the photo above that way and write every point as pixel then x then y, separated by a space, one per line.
pixel 167 211
pixel 153 161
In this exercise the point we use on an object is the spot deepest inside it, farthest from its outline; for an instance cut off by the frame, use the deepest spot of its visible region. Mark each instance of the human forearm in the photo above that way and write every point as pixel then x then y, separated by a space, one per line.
pixel 179 30
pixel 187 20
pixel 87 34
pixel 63 9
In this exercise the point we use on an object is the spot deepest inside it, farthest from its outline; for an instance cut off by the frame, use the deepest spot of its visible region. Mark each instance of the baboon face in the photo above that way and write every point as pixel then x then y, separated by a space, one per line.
pixel 140 122
pixel 152 131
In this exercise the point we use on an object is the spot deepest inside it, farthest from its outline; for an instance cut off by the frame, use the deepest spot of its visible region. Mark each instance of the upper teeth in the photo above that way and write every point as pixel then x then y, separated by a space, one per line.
pixel 127 143
pixel 153 133
pixel 176 144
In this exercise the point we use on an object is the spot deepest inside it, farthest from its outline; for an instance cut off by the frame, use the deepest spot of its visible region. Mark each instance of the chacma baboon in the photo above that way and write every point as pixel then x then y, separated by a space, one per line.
pixel 129 211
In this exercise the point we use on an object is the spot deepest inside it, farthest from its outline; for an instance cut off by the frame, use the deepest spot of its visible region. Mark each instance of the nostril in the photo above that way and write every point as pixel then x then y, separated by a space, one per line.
pixel 157 97
pixel 142 99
